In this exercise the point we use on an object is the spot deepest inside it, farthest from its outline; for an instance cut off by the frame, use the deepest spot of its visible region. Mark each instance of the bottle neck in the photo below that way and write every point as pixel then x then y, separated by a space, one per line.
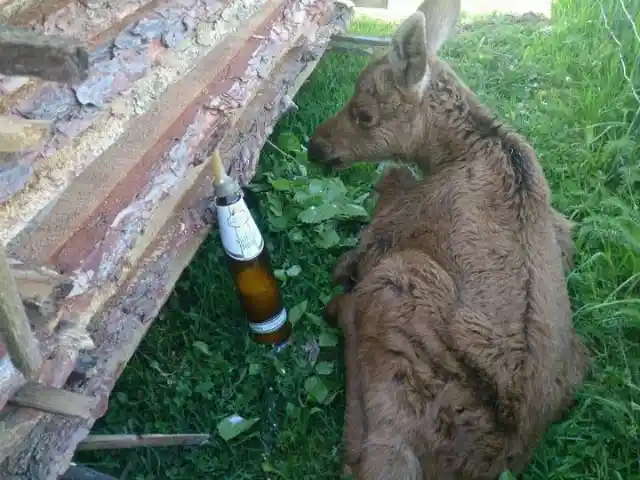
pixel 241 238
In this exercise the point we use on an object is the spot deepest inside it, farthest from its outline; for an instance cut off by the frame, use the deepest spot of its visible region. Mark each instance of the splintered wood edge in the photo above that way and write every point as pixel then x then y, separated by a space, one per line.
pixel 18 338
pixel 41 290
pixel 52 58
pixel 54 400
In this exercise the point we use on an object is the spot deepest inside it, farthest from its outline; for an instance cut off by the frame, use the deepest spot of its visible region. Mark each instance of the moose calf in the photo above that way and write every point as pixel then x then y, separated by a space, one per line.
pixel 459 343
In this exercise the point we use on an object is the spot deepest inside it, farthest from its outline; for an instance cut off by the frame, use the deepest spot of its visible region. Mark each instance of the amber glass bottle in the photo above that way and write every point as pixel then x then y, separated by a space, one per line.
pixel 250 267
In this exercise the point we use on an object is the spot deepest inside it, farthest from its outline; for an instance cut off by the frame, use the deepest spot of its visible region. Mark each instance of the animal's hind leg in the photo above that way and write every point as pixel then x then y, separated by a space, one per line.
pixel 397 304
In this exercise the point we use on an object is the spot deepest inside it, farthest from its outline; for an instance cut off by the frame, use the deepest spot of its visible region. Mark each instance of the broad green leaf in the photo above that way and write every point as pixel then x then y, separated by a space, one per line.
pixel 255 369
pixel 295 235
pixel 288 142
pixel 328 339
pixel 328 238
pixel 280 274
pixel 281 184
pixel 294 271
pixel 315 318
pixel 296 312
pixel 319 214
pixel 278 224
pixel 301 196
pixel 324 368
pixel 316 389
pixel 202 347
pixel 268 468
pixel 507 475
pixel 234 425
pixel 275 205
pixel 316 187
pixel 335 190
pixel 301 158
pixel 353 210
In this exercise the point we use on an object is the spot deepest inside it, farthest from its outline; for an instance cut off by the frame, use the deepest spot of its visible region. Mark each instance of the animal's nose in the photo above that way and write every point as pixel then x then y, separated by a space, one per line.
pixel 316 151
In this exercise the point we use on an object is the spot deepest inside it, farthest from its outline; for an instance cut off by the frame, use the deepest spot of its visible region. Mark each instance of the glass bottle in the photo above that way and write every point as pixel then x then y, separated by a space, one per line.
pixel 249 264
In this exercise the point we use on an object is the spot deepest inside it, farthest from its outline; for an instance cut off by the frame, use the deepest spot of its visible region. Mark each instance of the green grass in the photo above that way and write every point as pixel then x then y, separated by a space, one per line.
pixel 563 87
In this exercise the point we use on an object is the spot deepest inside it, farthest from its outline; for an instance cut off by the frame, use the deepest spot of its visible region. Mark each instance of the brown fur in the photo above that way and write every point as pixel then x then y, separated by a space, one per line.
pixel 459 344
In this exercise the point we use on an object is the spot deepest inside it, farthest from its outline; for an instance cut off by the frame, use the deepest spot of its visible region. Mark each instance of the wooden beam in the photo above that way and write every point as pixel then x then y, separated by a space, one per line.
pixel 27 53
pixel 54 400
pixel 119 441
pixel 14 325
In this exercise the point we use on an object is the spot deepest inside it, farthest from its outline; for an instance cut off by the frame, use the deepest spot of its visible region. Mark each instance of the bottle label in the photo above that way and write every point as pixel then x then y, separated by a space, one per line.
pixel 271 325
pixel 241 238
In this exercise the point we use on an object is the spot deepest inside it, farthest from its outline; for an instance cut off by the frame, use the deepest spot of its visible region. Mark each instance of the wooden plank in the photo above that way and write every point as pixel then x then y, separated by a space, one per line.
pixel 18 134
pixel 53 58
pixel 14 325
pixel 54 400
pixel 119 441
pixel 359 44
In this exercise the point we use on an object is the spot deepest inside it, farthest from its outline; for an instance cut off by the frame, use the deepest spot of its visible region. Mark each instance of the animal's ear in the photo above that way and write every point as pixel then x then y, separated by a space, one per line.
pixel 408 54
pixel 441 17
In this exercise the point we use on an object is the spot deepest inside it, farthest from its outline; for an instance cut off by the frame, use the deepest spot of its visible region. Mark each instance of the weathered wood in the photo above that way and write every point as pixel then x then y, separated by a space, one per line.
pixel 18 134
pixel 41 289
pixel 53 58
pixel 358 44
pixel 120 441
pixel 80 472
pixel 54 400
pixel 14 325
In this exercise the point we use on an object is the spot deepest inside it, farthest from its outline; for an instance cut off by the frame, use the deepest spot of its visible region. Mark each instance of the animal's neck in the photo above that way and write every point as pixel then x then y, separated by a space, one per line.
pixel 458 127
pixel 461 130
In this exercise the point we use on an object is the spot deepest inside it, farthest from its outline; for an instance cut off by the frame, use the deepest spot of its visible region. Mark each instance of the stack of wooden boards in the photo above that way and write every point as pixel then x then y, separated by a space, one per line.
pixel 111 204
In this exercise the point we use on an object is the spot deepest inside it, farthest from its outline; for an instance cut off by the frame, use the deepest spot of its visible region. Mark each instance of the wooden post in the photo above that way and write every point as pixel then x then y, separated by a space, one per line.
pixel 14 325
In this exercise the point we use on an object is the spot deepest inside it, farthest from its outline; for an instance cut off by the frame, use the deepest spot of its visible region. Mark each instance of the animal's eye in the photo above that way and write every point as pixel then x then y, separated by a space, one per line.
pixel 363 117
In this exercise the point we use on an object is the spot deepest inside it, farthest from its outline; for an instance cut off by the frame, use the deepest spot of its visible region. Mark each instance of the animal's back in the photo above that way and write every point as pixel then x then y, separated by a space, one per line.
pixel 471 299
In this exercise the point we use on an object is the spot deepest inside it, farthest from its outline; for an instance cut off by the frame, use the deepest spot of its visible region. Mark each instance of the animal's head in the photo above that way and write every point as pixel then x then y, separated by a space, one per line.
pixel 387 116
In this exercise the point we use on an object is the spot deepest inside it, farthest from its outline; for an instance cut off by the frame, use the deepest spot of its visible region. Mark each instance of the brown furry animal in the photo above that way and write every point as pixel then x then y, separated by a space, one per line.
pixel 459 343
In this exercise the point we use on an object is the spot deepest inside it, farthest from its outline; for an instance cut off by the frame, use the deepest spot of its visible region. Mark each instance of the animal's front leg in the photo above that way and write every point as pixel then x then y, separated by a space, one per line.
pixel 341 312
pixel 345 271
pixel 374 240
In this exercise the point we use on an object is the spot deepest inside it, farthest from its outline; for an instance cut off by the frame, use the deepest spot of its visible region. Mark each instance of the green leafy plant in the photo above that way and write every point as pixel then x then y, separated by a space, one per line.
pixel 309 208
